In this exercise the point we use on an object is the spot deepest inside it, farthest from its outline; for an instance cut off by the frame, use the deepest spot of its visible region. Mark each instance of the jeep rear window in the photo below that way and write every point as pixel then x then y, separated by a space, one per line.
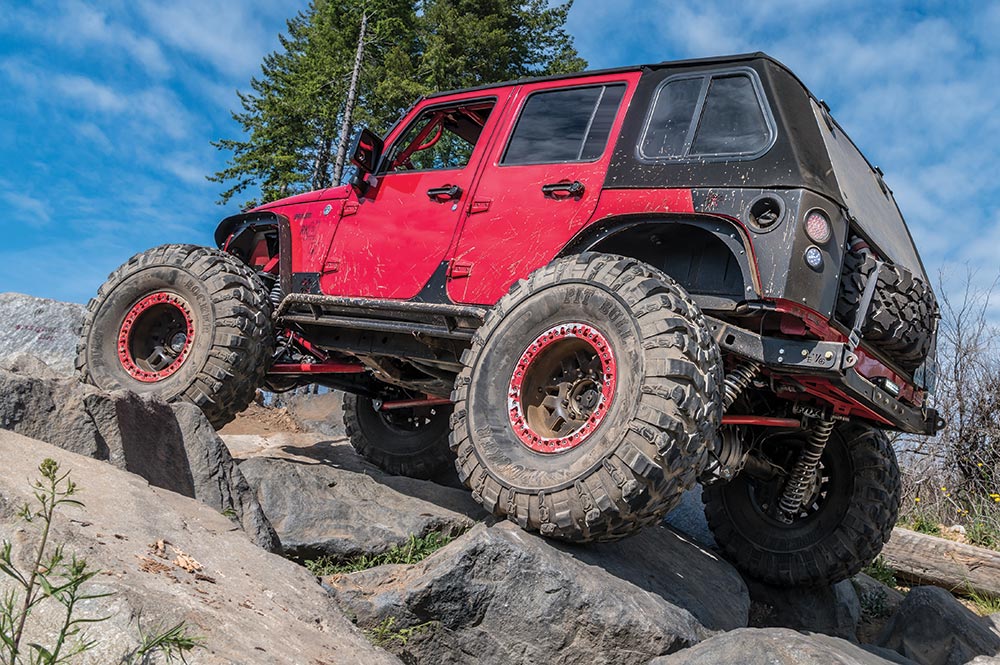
pixel 717 116
pixel 569 125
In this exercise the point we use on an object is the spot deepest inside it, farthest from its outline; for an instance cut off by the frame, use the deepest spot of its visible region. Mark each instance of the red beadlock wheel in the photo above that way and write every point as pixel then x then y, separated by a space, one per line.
pixel 588 399
pixel 156 337
pixel 182 323
pixel 561 388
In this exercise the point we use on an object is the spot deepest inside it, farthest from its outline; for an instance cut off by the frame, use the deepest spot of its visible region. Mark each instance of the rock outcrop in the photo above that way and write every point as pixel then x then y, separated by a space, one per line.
pixel 246 605
pixel 832 610
pixel 778 646
pixel 318 509
pixel 46 328
pixel 932 628
pixel 172 446
pixel 499 594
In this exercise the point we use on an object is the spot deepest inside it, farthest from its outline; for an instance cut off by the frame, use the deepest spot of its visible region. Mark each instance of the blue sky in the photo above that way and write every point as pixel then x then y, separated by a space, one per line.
pixel 109 108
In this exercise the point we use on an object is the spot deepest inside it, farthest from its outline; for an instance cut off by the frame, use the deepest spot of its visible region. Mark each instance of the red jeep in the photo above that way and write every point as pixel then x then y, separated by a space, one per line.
pixel 587 293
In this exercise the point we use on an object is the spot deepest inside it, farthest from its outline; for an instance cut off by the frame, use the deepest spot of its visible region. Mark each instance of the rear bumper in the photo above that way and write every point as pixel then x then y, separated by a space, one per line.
pixel 829 371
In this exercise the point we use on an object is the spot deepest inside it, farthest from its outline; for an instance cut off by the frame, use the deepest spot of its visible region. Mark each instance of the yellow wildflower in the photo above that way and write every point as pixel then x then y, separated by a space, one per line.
pixel 917 499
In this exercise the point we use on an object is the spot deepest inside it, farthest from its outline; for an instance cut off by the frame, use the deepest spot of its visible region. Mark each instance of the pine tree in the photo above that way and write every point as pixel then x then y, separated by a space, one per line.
pixel 296 114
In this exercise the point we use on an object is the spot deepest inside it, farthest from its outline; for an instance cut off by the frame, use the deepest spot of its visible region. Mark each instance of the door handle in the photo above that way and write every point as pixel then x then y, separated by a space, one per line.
pixel 574 188
pixel 446 193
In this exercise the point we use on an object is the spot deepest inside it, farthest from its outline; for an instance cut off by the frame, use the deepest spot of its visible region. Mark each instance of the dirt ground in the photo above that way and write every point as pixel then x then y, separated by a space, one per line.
pixel 257 419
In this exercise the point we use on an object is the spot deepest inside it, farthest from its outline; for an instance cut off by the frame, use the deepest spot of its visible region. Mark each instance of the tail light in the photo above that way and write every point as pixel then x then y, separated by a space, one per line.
pixel 817 226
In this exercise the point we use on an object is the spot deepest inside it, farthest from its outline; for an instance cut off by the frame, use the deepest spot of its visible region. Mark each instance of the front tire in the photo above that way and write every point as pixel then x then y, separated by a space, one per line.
pixel 589 399
pixel 842 527
pixel 182 322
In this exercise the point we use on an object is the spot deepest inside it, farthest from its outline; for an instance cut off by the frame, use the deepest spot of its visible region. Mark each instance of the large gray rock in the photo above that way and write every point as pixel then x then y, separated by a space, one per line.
pixel 172 446
pixel 318 508
pixel 501 595
pixel 832 610
pixel 933 628
pixel 993 622
pixel 777 646
pixel 248 606
pixel 671 566
pixel 47 328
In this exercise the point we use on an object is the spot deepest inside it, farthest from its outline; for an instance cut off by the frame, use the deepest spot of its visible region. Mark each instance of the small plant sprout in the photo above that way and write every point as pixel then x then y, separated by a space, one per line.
pixel 53 577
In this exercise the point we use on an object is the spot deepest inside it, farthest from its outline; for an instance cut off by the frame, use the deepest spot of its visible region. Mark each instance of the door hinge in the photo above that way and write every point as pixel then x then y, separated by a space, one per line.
pixel 479 205
pixel 459 268
pixel 350 208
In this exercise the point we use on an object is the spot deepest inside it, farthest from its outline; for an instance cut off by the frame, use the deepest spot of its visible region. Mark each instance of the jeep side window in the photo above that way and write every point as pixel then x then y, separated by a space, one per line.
pixel 440 138
pixel 708 116
pixel 569 125
pixel 732 122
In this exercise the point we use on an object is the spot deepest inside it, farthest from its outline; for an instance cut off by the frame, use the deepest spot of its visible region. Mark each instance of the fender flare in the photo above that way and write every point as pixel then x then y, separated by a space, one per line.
pixel 731 233
pixel 261 220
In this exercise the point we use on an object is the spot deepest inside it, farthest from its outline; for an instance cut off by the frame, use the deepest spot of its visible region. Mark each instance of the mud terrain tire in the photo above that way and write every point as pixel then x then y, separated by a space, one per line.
pixel 408 442
pixel 902 318
pixel 229 341
pixel 653 433
pixel 853 520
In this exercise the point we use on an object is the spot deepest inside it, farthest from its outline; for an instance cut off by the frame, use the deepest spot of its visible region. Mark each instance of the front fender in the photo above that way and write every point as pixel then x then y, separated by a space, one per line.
pixel 232 227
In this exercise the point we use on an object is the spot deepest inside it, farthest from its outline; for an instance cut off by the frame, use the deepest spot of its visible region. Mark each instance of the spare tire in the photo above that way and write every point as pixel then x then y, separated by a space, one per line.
pixel 903 315
pixel 182 322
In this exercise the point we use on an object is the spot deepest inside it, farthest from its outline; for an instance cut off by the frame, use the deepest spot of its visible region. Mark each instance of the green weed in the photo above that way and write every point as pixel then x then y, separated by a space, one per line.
pixel 416 549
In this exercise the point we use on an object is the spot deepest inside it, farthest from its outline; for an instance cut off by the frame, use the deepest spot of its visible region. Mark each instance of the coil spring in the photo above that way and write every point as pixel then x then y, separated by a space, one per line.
pixel 737 381
pixel 805 469
pixel 276 295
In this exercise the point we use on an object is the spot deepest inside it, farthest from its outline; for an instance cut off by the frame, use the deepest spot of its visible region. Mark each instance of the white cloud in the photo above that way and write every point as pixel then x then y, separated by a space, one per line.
pixel 188 168
pixel 88 93
pixel 155 110
pixel 229 35
pixel 24 208
pixel 79 26
pixel 94 134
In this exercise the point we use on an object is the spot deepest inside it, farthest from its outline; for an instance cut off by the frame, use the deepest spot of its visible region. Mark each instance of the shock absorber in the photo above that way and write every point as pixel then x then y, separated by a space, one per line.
pixel 737 381
pixel 805 469
pixel 276 295
pixel 726 458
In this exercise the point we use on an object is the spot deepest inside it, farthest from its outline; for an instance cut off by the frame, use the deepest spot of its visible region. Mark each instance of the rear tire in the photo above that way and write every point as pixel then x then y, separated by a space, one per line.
pixel 405 442
pixel 836 535
pixel 182 322
pixel 590 453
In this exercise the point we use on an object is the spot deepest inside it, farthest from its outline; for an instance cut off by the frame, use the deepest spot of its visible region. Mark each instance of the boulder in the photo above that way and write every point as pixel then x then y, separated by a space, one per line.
pixel 993 622
pixel 778 646
pixel 47 328
pixel 319 509
pixel 166 558
pixel 670 565
pixel 831 610
pixel 172 446
pixel 932 628
pixel 875 597
pixel 878 603
pixel 501 595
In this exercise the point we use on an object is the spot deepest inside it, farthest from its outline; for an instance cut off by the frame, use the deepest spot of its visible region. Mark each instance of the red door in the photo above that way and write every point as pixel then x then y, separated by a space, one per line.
pixel 391 240
pixel 540 185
